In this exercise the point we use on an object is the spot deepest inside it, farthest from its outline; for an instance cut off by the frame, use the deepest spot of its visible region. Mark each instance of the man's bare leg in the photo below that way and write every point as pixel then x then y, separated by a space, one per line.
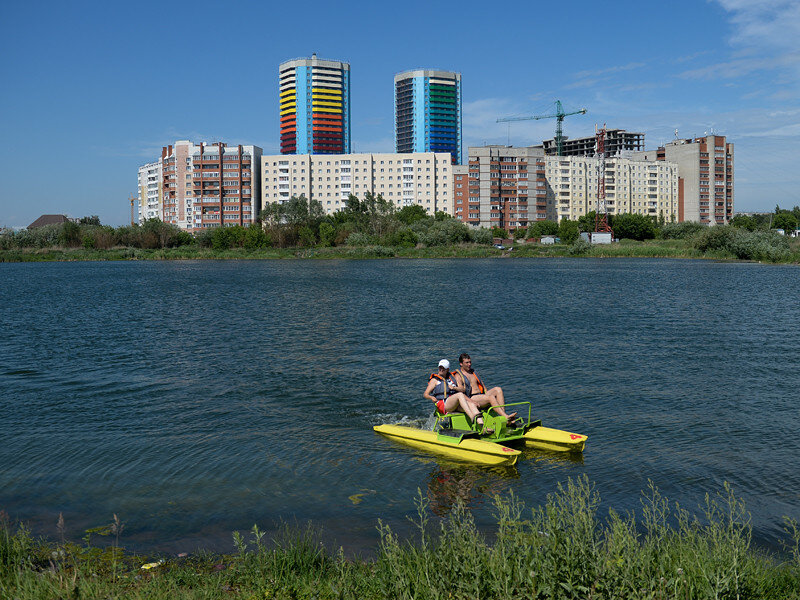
pixel 495 399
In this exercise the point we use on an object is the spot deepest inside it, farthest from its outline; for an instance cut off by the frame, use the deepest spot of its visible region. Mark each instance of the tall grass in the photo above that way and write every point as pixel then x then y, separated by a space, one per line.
pixel 562 550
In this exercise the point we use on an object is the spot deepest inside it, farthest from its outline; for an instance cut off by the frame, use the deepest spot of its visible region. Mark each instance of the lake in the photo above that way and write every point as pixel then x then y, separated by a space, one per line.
pixel 197 398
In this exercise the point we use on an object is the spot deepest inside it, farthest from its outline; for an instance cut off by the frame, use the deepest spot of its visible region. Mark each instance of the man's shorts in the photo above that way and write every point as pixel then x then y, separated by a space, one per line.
pixel 440 407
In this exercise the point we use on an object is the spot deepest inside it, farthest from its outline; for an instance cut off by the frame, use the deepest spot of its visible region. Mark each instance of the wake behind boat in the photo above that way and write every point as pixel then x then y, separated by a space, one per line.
pixel 493 443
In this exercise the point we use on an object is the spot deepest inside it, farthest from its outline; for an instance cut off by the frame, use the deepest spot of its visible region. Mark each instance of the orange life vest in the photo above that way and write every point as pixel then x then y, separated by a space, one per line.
pixel 481 387
pixel 441 391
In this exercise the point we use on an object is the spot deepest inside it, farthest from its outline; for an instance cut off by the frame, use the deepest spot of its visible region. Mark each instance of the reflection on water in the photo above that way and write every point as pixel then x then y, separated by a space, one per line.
pixel 470 486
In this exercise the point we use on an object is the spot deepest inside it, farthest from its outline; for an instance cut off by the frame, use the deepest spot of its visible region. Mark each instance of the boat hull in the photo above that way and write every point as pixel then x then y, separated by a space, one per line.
pixel 556 440
pixel 469 450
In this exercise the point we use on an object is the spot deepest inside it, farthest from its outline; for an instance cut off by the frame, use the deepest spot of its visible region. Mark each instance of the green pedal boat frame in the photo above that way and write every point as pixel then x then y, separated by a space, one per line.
pixel 454 435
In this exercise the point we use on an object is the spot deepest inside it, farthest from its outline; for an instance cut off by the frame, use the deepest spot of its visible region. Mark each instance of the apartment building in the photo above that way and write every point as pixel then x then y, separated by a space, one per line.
pixel 646 187
pixel 706 194
pixel 423 178
pixel 176 184
pixel 427 109
pixel 502 186
pixel 226 185
pixel 616 142
pixel 314 106
pixel 149 192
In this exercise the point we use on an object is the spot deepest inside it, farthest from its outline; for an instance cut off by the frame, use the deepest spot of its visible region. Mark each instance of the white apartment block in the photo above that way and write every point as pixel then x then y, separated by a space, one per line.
pixel 423 178
pixel 149 191
pixel 646 187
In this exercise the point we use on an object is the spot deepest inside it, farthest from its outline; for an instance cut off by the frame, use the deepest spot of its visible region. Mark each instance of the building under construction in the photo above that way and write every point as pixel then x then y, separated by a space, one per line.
pixel 617 140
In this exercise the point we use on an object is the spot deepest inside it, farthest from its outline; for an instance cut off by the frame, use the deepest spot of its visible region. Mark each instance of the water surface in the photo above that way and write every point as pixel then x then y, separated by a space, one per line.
pixel 195 398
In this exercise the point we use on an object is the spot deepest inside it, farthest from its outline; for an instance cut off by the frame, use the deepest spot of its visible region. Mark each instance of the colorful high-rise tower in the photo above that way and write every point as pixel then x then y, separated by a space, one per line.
pixel 315 106
pixel 427 111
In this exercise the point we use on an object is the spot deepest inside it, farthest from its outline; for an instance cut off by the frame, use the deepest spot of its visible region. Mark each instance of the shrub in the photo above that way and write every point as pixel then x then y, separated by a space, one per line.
pixel 255 238
pixel 580 247
pixel 540 228
pixel 442 233
pixel 306 236
pixel 520 233
pixel 681 231
pixel 744 244
pixel 499 232
pixel 634 227
pixel 480 236
pixel 568 231
pixel 327 234
pixel 404 237
pixel 359 239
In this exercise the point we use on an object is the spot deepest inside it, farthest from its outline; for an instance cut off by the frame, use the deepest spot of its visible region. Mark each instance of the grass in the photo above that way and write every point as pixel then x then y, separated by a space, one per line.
pixel 561 550
pixel 623 249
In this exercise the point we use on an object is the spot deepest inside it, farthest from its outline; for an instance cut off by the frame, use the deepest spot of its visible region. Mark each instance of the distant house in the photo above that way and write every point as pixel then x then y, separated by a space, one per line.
pixel 48 220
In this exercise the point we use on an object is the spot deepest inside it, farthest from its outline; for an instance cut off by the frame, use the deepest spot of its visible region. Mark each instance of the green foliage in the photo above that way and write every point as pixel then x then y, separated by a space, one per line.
pixel 540 228
pixel 568 231
pixel 410 214
pixel 359 239
pixel 587 222
pixel 442 233
pixel 564 549
pixel 307 236
pixel 327 234
pixel 681 231
pixel 520 233
pixel 404 238
pixel 580 247
pixel 744 222
pixel 480 236
pixel 255 237
pixel 743 244
pixel 499 232
pixel 70 235
pixel 93 220
pixel 786 221
pixel 633 227
pixel 440 215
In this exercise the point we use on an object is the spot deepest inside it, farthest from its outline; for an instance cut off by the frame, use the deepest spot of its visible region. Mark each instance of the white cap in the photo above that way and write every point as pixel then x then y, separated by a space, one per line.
pixel 445 363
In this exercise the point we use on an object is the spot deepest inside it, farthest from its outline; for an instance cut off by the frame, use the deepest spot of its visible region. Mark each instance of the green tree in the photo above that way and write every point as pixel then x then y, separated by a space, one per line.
pixel 744 222
pixel 568 231
pixel 255 237
pixel 409 214
pixel 540 228
pixel 785 220
pixel 307 237
pixel 499 232
pixel 327 233
pixel 587 222
pixel 93 220
pixel 634 227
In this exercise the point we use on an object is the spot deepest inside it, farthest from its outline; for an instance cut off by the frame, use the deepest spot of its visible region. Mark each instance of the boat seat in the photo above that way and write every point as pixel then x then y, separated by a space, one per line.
pixel 463 433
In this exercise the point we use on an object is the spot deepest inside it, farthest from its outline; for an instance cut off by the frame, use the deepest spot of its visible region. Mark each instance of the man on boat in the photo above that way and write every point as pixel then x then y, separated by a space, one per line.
pixel 467 381
pixel 442 391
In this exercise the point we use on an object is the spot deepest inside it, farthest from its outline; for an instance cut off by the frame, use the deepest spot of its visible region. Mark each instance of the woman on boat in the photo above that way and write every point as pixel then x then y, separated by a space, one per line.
pixel 443 391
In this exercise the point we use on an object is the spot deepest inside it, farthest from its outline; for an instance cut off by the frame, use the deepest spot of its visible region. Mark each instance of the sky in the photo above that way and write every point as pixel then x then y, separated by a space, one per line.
pixel 92 90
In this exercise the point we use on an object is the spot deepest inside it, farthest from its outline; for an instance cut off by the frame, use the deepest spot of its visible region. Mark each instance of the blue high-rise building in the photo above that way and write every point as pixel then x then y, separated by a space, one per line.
pixel 427 112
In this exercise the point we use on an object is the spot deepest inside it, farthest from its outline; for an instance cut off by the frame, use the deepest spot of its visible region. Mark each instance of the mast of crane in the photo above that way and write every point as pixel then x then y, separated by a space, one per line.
pixel 558 116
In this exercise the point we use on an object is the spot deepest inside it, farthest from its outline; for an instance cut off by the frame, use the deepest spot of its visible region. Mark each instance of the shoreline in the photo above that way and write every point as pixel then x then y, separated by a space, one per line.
pixel 674 249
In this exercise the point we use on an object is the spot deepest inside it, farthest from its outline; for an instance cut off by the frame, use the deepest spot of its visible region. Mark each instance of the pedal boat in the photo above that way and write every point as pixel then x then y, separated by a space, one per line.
pixel 455 436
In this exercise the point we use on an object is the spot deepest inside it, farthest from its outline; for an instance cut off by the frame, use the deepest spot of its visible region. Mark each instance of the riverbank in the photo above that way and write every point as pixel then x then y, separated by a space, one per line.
pixel 561 550
pixel 624 249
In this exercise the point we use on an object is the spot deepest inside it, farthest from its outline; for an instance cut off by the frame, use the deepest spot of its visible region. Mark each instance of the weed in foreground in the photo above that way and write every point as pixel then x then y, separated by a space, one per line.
pixel 562 550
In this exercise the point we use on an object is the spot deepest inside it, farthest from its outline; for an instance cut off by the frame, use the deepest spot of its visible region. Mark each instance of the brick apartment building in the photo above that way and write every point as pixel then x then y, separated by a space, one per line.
pixel 705 166
pixel 501 186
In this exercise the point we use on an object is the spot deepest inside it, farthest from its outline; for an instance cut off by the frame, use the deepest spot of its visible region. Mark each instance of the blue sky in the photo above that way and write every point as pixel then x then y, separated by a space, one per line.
pixel 90 91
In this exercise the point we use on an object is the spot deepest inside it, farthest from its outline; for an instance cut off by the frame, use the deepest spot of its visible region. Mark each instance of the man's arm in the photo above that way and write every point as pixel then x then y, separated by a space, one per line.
pixel 461 385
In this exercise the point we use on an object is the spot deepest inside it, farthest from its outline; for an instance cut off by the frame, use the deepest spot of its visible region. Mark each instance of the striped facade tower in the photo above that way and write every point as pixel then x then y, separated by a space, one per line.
pixel 315 106
pixel 427 110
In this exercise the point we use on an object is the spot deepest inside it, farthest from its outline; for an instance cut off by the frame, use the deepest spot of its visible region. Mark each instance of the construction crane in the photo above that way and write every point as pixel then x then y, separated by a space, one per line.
pixel 558 116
